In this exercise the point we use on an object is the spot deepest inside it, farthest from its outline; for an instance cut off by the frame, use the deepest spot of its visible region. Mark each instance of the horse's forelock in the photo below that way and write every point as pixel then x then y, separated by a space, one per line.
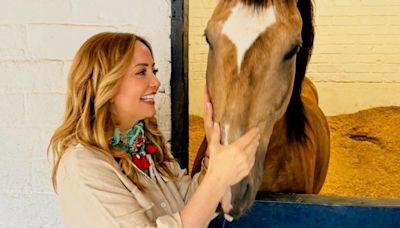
pixel 255 3
pixel 260 3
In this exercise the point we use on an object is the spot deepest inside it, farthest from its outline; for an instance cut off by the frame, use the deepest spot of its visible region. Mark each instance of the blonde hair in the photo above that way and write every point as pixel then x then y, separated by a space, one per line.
pixel 93 80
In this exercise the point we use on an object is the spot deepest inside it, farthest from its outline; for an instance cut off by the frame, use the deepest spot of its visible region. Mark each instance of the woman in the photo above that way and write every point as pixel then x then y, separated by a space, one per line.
pixel 112 167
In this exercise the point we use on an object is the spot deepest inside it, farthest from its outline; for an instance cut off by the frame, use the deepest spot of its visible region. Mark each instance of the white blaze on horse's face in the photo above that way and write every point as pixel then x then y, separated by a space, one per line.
pixel 244 26
pixel 225 133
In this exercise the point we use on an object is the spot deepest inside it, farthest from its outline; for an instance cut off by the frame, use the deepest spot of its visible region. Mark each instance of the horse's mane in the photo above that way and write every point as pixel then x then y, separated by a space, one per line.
pixel 295 117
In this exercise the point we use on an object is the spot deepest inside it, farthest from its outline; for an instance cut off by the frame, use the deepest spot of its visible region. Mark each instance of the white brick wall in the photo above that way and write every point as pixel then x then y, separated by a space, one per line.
pixel 356 60
pixel 38 40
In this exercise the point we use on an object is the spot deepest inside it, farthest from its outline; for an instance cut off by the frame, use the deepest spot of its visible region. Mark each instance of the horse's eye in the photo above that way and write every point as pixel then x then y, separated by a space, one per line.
pixel 292 52
pixel 208 42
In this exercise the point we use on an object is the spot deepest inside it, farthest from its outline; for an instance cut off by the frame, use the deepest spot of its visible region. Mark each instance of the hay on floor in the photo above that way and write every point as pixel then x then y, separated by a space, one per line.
pixel 365 152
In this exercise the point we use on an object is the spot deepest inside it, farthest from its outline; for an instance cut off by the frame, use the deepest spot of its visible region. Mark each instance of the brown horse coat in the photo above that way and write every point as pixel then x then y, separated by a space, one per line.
pixel 293 166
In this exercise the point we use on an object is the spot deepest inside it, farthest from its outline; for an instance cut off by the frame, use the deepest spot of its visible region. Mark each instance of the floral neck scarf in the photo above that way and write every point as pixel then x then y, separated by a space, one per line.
pixel 134 142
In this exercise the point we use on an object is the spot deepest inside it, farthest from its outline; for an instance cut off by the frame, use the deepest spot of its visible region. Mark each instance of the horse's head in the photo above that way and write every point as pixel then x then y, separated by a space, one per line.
pixel 253 54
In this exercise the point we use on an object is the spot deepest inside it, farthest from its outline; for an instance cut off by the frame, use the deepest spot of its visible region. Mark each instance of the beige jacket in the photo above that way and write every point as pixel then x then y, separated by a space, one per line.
pixel 93 192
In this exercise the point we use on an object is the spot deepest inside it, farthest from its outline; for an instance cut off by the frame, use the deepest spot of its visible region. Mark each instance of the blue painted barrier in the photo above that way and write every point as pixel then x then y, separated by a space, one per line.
pixel 317 211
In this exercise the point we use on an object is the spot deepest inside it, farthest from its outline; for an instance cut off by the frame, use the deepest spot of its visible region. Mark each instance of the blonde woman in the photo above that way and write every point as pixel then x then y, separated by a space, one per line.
pixel 112 167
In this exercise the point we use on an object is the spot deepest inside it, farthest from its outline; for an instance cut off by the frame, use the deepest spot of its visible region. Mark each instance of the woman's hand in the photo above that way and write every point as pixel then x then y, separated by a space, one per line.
pixel 230 162
pixel 208 126
pixel 207 119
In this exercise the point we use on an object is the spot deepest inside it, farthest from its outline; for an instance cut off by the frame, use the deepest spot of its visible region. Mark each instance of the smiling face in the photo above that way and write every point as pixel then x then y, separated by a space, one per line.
pixel 134 99
pixel 250 75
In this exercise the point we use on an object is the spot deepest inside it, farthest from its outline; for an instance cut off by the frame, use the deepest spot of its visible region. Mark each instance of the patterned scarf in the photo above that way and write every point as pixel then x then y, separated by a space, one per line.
pixel 134 142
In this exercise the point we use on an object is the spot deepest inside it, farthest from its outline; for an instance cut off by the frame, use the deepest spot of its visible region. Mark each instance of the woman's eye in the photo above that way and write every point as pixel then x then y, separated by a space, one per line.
pixel 142 73
pixel 155 71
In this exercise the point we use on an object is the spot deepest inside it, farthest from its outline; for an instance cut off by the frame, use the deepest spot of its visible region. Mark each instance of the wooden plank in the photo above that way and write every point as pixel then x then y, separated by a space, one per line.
pixel 179 82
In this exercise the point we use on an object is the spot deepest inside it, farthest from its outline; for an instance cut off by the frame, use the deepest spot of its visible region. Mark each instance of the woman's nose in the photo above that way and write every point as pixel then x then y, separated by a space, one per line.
pixel 154 81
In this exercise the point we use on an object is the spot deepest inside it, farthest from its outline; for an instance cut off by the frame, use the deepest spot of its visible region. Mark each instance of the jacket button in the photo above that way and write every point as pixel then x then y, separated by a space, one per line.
pixel 163 204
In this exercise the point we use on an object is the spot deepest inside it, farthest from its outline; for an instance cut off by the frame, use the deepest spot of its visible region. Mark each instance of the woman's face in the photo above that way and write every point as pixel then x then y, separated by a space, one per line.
pixel 134 100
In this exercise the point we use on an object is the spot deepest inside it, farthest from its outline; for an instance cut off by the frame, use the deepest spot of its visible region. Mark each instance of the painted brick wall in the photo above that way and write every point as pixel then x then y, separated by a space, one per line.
pixel 356 60
pixel 38 40
pixel 199 13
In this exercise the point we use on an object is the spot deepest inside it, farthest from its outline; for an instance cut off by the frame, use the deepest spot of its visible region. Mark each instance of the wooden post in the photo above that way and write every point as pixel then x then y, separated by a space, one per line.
pixel 179 82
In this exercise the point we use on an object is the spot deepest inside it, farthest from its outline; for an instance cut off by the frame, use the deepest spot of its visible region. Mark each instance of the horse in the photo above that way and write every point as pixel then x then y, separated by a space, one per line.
pixel 258 55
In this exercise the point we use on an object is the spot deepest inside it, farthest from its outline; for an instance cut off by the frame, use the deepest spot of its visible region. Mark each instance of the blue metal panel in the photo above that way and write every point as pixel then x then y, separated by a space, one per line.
pixel 363 213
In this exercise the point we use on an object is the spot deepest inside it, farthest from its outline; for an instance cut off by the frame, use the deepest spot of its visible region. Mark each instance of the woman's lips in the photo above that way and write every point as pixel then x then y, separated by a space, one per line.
pixel 149 99
pixel 148 102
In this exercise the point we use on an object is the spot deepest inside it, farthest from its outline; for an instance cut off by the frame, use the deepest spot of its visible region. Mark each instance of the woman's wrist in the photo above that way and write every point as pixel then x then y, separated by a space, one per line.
pixel 215 182
pixel 216 179
pixel 201 207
